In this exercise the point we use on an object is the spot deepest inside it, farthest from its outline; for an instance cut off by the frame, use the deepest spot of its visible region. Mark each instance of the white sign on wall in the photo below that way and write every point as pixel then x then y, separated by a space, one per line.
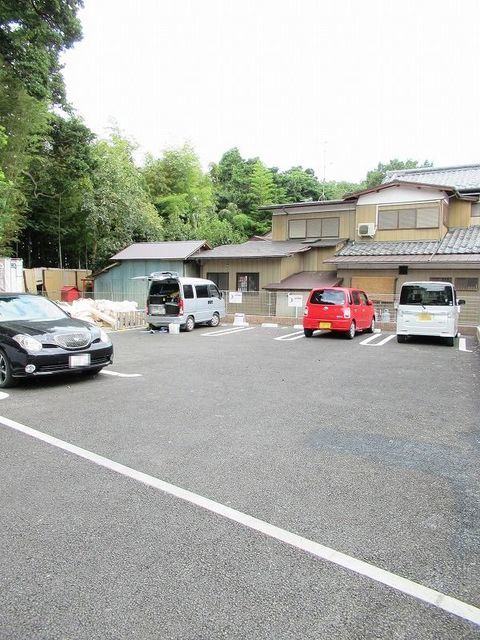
pixel 235 297
pixel 295 300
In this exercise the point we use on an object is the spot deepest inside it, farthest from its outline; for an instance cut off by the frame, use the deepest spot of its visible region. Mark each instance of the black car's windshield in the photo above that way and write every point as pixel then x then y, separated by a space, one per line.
pixel 28 308
pixel 429 294
pixel 328 296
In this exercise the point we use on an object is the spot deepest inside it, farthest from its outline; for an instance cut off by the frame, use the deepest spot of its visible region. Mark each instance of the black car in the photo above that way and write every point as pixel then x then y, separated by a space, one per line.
pixel 38 338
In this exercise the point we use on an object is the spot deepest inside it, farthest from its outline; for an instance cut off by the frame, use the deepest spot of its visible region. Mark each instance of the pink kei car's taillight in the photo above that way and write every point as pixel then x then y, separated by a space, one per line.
pixel 346 312
pixel 305 311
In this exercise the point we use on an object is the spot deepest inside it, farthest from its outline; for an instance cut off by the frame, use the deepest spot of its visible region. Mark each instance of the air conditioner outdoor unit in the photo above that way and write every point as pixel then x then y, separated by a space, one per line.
pixel 366 229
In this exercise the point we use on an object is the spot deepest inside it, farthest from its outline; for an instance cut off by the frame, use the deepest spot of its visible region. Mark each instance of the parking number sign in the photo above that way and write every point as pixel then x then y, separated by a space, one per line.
pixel 295 300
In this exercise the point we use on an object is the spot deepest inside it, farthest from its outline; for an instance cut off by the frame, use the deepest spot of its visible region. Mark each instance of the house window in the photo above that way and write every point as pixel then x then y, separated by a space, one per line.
pixel 424 218
pixel 466 284
pixel 220 279
pixel 330 227
pixel 248 282
pixel 296 229
pixel 476 210
pixel 315 228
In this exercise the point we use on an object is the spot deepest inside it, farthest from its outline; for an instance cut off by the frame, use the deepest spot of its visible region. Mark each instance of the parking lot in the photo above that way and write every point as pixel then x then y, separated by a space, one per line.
pixel 245 482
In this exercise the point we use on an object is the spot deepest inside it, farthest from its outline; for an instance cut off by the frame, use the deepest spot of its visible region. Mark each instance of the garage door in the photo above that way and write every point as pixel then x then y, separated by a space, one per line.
pixel 374 284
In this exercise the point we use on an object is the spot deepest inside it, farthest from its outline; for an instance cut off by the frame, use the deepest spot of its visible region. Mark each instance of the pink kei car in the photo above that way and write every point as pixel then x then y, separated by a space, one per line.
pixel 338 309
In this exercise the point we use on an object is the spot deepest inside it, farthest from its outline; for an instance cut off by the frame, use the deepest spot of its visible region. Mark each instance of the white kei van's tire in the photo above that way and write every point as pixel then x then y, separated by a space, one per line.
pixel 215 321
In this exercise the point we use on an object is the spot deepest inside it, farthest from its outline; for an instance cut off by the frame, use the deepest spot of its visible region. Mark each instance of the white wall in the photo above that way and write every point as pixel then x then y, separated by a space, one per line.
pixel 399 195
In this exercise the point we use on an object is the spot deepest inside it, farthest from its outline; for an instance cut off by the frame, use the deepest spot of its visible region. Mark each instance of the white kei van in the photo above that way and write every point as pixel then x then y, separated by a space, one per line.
pixel 173 299
pixel 428 309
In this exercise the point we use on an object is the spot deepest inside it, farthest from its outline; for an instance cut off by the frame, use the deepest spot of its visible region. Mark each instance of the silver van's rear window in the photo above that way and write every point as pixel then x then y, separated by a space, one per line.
pixel 428 294
pixel 327 296
pixel 164 287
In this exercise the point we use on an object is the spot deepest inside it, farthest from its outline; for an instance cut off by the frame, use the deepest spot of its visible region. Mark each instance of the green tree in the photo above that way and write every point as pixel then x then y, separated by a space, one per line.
pixel 59 176
pixel 25 122
pixel 33 33
pixel 376 176
pixel 118 209
pixel 298 184
pixel 231 179
pixel 180 191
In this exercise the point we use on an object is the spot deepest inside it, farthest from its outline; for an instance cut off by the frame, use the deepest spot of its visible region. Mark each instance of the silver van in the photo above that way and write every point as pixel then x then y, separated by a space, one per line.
pixel 173 299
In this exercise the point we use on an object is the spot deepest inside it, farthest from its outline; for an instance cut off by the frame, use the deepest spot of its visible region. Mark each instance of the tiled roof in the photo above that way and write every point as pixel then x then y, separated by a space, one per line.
pixel 160 250
pixel 389 248
pixel 461 240
pixel 464 178
pixel 465 258
pixel 306 280
pixel 256 249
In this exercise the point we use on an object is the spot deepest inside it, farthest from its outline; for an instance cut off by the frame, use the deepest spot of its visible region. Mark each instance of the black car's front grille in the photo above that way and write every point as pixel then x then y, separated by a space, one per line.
pixel 64 366
pixel 77 340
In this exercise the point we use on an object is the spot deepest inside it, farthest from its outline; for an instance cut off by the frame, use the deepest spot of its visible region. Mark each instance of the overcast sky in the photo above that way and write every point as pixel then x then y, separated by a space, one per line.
pixel 335 85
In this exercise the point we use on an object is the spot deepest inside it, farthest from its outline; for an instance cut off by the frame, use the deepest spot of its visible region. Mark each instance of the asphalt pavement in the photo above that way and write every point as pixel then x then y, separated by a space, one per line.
pixel 365 448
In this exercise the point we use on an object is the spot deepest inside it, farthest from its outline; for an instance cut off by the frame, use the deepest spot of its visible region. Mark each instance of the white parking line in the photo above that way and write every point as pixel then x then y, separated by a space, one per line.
pixel 367 342
pixel 226 332
pixel 435 598
pixel 3 395
pixel 121 375
pixel 292 336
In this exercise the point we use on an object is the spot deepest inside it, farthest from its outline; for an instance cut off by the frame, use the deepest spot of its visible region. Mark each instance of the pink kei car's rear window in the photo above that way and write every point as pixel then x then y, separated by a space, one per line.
pixel 328 296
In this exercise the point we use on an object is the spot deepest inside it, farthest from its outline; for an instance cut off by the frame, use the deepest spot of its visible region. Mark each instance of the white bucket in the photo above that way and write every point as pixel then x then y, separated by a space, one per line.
pixel 239 319
pixel 173 328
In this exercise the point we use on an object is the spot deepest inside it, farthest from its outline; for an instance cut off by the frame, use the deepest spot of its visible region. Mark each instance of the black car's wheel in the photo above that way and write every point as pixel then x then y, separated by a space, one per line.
pixel 6 378
pixel 351 331
pixel 189 324
pixel 308 333
pixel 401 338
pixel 215 321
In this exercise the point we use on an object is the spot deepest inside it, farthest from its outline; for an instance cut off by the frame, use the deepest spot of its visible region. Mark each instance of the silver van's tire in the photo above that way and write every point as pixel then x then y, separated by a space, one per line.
pixel 401 338
pixel 189 324
pixel 215 321
pixel 450 342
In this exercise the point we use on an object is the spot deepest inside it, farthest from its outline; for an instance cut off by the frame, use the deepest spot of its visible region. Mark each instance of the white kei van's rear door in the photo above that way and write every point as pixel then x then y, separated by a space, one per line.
pixel 427 320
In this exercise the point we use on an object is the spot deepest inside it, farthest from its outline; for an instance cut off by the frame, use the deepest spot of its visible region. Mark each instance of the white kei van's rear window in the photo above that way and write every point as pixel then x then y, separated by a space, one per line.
pixel 428 294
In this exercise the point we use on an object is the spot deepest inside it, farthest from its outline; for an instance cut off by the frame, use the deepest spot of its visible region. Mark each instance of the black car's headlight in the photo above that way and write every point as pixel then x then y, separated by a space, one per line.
pixel 28 343
pixel 104 336
pixel 100 334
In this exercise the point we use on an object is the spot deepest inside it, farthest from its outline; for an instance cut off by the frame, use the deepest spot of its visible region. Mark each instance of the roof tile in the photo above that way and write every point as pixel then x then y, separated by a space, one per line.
pixel 464 178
